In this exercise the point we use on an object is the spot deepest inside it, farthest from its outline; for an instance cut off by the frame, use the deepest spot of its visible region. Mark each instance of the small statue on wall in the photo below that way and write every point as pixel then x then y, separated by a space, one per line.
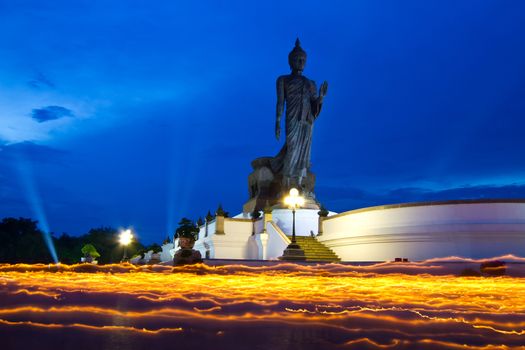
pixel 187 234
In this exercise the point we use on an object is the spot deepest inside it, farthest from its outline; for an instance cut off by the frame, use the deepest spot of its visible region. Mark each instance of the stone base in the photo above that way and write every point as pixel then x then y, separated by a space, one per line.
pixel 268 189
pixel 255 203
pixel 154 261
pixel 187 257
pixel 293 253
pixel 259 203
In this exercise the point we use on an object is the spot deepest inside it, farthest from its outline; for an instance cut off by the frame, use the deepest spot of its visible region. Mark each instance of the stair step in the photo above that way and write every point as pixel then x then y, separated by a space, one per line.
pixel 327 255
pixel 315 250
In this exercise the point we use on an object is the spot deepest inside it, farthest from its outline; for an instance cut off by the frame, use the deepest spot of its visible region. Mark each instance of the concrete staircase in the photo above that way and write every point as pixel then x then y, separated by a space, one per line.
pixel 315 250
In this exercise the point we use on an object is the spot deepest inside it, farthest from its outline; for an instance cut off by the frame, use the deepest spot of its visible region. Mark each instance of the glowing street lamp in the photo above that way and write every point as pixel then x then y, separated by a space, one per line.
pixel 294 201
pixel 125 239
pixel 293 251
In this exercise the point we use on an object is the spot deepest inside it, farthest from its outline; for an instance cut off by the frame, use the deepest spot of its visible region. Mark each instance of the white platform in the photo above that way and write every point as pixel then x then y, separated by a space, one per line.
pixel 428 230
pixel 417 231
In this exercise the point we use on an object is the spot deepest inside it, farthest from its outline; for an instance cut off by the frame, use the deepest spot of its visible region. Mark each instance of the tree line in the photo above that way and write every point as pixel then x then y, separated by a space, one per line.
pixel 21 241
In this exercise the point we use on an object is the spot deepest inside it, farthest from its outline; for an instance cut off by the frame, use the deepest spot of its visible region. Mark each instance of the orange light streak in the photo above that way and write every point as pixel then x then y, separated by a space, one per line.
pixel 364 308
pixel 86 326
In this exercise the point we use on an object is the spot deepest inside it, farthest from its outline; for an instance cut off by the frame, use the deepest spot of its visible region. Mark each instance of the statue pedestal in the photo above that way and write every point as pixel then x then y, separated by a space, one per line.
pixel 267 189
pixel 293 253
pixel 309 203
pixel 187 257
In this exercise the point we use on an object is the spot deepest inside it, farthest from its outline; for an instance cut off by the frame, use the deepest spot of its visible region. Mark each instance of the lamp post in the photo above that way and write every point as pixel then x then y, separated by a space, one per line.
pixel 125 239
pixel 293 251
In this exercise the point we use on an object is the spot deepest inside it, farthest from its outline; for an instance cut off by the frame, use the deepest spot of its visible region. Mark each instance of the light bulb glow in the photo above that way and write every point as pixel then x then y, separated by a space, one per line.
pixel 294 200
pixel 125 237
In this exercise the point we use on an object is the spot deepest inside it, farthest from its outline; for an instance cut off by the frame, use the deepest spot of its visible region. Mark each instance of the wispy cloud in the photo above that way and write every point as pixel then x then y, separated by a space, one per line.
pixel 40 81
pixel 50 113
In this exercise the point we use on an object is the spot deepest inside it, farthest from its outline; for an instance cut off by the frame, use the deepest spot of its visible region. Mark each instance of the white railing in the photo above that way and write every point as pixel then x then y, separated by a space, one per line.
pixel 277 241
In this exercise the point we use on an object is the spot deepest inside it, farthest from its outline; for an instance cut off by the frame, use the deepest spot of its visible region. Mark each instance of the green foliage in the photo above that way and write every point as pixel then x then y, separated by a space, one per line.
pixel 90 251
pixel 107 241
pixel 187 229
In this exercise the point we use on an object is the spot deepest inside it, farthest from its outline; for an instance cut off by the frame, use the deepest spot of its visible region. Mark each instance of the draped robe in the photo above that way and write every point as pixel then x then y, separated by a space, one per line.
pixel 302 108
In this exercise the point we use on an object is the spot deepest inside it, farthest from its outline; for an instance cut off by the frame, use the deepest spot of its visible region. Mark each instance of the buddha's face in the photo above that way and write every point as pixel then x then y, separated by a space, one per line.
pixel 297 62
pixel 186 243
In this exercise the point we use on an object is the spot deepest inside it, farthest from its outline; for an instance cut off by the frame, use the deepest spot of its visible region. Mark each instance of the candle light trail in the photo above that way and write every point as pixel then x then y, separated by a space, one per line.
pixel 324 306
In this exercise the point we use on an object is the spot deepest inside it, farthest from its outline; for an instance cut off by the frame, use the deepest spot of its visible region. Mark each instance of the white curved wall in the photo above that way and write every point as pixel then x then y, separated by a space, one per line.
pixel 474 230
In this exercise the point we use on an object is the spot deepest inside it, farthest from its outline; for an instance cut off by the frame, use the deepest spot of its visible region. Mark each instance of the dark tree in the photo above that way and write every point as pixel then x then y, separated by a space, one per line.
pixel 200 222
pixel 68 248
pixel 187 229
pixel 106 239
pixel 155 247
pixel 323 212
pixel 220 211
pixel 21 241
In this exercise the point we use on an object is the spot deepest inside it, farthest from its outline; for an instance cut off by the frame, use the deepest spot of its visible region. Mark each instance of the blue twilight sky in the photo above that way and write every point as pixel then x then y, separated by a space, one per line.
pixel 136 113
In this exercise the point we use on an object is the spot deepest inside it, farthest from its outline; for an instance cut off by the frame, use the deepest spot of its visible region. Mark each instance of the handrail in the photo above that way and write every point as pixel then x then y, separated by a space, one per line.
pixel 280 232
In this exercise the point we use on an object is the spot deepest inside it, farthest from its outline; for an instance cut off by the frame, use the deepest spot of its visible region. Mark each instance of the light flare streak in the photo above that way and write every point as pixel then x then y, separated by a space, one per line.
pixel 34 199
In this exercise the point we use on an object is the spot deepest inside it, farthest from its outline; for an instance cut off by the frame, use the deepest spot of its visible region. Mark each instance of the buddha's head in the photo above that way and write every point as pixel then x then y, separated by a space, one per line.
pixel 186 242
pixel 297 57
